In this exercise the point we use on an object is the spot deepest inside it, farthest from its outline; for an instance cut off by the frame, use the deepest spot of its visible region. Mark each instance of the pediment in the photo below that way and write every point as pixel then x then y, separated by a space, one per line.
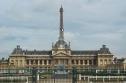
pixel 61 54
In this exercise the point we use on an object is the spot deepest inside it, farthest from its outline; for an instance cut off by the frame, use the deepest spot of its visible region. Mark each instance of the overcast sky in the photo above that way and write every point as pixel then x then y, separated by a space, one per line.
pixel 88 24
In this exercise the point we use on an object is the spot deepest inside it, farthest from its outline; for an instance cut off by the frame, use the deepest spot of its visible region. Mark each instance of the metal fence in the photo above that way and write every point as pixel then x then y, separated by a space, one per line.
pixel 38 75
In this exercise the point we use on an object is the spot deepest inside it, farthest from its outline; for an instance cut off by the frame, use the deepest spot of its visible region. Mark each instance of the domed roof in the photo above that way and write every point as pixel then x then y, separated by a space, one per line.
pixel 61 44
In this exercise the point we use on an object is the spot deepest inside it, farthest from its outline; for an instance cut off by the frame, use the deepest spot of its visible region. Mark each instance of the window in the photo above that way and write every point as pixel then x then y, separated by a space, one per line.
pixel 49 61
pixel 72 61
pixel 105 61
pixel 66 61
pixel 61 61
pixel 76 61
pixel 101 61
pixel 12 61
pixel 90 62
pixel 31 61
pixel 94 62
pixel 27 62
pixel 86 62
pixel 56 61
pixel 36 61
pixel 40 61
pixel 20 61
pixel 110 61
pixel 45 62
pixel 81 62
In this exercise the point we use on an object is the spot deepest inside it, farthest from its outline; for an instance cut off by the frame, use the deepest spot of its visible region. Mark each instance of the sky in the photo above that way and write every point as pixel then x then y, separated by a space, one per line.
pixel 88 24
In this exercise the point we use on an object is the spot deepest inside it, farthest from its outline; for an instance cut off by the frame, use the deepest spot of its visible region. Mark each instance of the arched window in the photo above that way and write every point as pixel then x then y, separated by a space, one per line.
pixel 105 61
pixel 101 61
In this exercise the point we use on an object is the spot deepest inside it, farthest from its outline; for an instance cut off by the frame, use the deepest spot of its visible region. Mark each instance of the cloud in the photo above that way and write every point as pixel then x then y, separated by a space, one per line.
pixel 70 36
pixel 88 24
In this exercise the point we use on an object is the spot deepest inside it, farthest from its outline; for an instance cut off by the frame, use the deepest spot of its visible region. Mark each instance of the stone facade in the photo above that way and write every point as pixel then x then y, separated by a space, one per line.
pixel 3 63
pixel 60 54
pixel 54 58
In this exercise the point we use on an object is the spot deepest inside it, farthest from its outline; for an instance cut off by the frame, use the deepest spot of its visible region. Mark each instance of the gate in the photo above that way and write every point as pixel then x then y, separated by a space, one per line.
pixel 54 75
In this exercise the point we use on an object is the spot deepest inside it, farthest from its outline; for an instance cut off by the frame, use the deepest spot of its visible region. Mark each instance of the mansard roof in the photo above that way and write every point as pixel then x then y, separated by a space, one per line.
pixel 3 60
pixel 104 50
pixel 36 52
pixel 18 50
pixel 84 52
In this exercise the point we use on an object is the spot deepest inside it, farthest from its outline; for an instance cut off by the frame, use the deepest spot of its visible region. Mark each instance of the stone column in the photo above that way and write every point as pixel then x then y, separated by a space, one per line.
pixel 87 62
pixel 38 62
pixel 74 61
pixel 83 62
pixel 103 62
pixel 69 61
pixel 29 62
pixel 92 62
pixel 64 61
pixel 78 62
pixel 42 62
pixel 47 61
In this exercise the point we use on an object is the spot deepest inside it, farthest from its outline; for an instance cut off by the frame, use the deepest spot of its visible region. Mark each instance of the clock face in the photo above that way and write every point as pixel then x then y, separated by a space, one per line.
pixel 61 29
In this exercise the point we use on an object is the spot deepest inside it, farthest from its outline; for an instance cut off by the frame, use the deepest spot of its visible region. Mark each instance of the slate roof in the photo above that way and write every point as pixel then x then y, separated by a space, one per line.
pixel 103 50
pixel 84 52
pixel 36 52
pixel 3 60
pixel 18 50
